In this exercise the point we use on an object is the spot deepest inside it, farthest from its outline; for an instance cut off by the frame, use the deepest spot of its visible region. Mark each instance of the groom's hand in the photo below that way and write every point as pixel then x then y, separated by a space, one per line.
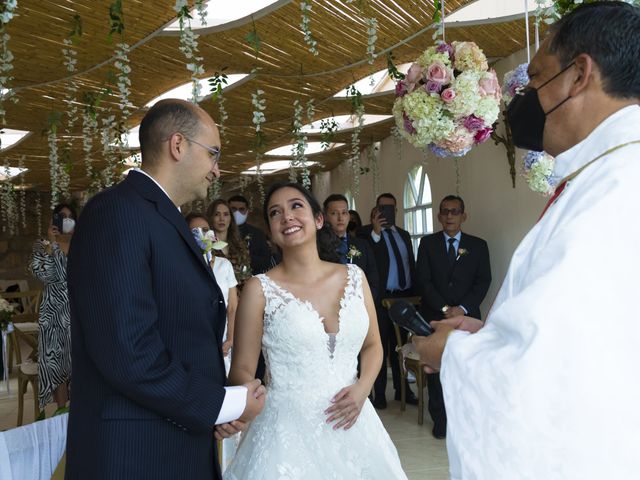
pixel 226 430
pixel 256 394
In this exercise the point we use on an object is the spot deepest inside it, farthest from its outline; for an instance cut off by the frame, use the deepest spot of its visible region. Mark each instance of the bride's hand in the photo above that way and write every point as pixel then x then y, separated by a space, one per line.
pixel 347 404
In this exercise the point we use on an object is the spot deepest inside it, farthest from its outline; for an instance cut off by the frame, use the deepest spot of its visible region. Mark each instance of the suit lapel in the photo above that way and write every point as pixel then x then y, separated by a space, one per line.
pixel 149 190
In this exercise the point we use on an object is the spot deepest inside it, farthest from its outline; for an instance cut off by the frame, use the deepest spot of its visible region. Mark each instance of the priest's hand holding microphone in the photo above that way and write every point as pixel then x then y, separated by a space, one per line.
pixel 430 338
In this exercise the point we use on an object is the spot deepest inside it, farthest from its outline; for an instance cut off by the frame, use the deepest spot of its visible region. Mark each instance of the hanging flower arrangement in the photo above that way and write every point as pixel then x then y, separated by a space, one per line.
pixel 305 7
pixel 109 126
pixel 39 214
pixel 201 9
pixel 54 167
pixel 8 204
pixel 124 87
pixel 259 105
pixel 89 128
pixel 7 12
pixel 372 37
pixel 217 83
pixel 449 99
pixel 357 109
pixel 22 196
pixel 189 47
pixel 300 141
pixel 537 166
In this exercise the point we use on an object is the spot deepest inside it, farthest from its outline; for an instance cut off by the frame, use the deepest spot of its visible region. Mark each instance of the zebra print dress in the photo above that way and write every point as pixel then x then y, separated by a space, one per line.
pixel 54 339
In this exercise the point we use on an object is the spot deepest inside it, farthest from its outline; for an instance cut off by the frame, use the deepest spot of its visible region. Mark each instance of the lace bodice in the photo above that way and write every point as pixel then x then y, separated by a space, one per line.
pixel 297 350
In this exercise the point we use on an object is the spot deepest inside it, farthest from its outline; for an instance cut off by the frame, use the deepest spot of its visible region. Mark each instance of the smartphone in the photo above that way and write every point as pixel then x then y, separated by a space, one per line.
pixel 57 222
pixel 388 212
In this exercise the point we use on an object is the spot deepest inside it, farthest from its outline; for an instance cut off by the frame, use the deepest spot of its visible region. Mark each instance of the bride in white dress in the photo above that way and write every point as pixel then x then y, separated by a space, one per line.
pixel 311 318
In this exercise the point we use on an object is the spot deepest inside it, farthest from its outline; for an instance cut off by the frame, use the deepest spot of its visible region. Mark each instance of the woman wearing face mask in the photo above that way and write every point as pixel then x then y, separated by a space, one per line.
pixel 49 265
pixel 223 223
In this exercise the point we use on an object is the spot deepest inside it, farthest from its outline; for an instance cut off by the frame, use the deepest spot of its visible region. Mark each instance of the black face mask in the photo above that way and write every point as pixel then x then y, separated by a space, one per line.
pixel 526 116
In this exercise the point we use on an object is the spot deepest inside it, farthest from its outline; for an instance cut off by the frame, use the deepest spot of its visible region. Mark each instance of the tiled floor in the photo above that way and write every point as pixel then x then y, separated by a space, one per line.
pixel 423 457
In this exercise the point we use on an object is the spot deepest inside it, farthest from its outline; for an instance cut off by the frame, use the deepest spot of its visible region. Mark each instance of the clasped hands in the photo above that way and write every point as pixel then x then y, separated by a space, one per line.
pixel 256 395
pixel 431 348
pixel 346 406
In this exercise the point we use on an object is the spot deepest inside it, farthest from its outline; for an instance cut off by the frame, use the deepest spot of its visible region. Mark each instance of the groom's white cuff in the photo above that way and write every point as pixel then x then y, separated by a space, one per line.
pixel 233 405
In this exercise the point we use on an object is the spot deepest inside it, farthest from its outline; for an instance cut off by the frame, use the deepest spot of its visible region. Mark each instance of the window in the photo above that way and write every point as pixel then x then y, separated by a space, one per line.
pixel 350 200
pixel 418 215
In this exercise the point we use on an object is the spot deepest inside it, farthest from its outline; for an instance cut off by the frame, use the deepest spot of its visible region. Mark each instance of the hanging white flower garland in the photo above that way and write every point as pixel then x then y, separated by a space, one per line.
pixel 39 214
pixel 372 37
pixel 259 105
pixel 305 7
pixel 71 90
pixel 9 204
pixel 109 126
pixel 6 57
pixel 54 167
pixel 189 47
pixel 124 89
pixel 355 147
pixel 300 141
pixel 374 166
pixel 201 9
pixel 23 196
pixel 89 127
pixel 223 116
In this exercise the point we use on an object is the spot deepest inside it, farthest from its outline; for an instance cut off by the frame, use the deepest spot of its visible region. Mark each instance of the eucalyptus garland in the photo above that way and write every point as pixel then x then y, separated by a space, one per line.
pixel 328 129
pixel 71 90
pixel 372 37
pixel 89 128
pixel 305 173
pixel 6 57
pixel 259 177
pixel 39 214
pixel 300 141
pixel 374 167
pixel 189 47
pixel 305 7
pixel 217 83
pixel 201 9
pixel 355 97
pixel 107 134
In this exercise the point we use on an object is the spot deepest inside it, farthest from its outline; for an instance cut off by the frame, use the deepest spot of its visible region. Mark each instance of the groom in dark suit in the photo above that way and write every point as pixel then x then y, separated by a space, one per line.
pixel 147 318
pixel 351 250
pixel 453 278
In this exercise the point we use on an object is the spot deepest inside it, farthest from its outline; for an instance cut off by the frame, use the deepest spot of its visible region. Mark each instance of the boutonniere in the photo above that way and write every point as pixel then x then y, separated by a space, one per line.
pixel 247 238
pixel 353 253
pixel 461 253
pixel 207 241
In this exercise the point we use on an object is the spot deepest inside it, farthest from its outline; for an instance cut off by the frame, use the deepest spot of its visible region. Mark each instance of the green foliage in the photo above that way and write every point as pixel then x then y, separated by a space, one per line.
pixel 76 28
pixel 437 17
pixel 253 39
pixel 53 121
pixel 355 97
pixel 328 130
pixel 394 73
pixel 259 140
pixel 116 19
pixel 217 83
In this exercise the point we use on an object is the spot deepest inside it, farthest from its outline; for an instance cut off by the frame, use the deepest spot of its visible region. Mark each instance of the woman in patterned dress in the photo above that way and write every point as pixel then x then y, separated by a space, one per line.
pixel 49 265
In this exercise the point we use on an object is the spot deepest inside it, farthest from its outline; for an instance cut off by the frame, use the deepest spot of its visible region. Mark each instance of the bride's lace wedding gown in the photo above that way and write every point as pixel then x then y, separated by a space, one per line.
pixel 290 439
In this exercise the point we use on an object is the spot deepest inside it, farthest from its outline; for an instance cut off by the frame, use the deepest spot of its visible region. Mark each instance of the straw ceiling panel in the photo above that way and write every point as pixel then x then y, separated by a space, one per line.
pixel 286 70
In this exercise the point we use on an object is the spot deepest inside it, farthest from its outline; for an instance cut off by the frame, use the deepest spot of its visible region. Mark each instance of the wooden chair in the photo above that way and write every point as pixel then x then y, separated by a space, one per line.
pixel 408 363
pixel 26 321
pixel 27 373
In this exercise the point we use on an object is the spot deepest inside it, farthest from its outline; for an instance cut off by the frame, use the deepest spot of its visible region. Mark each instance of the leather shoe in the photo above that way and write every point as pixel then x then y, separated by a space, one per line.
pixel 410 398
pixel 380 403
pixel 439 430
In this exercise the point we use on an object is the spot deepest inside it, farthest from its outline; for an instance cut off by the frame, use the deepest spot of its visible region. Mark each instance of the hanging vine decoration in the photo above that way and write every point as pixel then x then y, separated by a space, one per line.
pixel 54 167
pixel 109 127
pixel 299 139
pixel 328 129
pixel 259 105
pixel 116 19
pixel 89 128
pixel 123 67
pixel 189 47
pixel 507 141
pixel 372 37
pixel 254 41
pixel 305 8
pixel 9 204
pixel 217 84
pixel 201 9
pixel 397 142
pixel 39 214
pixel 6 57
pixel 357 108
pixel 374 166
pixel 304 166
pixel 23 195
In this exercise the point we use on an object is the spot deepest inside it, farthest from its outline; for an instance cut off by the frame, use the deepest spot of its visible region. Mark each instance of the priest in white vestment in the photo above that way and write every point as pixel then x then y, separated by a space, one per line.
pixel 549 388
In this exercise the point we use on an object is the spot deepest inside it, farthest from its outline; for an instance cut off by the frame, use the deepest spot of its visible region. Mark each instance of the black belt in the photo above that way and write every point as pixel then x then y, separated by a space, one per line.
pixel 398 293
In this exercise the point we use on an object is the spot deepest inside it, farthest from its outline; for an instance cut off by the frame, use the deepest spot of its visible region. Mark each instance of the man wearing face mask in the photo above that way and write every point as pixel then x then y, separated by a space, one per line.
pixel 255 238
pixel 548 387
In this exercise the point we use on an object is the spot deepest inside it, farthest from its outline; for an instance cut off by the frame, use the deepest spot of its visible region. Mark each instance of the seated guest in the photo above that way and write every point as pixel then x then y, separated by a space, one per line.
pixel 350 249
pixel 261 259
pixel 223 223
pixel 49 265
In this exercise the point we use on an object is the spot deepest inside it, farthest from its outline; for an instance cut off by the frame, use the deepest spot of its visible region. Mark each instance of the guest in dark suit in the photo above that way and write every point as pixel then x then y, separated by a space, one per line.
pixel 256 240
pixel 395 260
pixel 454 275
pixel 350 249
pixel 147 318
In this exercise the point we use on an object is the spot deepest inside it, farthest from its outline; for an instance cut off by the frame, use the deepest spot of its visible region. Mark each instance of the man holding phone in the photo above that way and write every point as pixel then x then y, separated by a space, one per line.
pixel 396 269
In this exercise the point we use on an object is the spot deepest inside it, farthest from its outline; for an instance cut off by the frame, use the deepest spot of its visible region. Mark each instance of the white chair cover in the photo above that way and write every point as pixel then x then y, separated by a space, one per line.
pixel 32 452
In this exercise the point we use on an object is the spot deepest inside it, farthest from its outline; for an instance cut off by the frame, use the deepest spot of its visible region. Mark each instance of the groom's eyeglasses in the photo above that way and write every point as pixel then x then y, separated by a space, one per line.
pixel 214 152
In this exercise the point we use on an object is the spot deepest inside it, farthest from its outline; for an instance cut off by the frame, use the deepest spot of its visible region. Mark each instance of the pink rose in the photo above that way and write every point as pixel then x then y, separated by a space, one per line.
pixel 448 95
pixel 408 125
pixel 482 135
pixel 439 72
pixel 489 85
pixel 414 74
pixel 445 47
pixel 473 123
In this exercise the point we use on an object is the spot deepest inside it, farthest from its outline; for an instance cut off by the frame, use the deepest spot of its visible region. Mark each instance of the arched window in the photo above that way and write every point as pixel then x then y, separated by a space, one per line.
pixel 418 216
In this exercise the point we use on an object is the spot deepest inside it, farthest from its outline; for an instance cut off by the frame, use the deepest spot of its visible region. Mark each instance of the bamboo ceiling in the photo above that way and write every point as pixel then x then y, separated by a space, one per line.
pixel 286 70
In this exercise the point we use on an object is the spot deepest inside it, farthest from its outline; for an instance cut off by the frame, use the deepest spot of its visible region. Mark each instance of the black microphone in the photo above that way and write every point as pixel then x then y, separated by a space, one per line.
pixel 405 315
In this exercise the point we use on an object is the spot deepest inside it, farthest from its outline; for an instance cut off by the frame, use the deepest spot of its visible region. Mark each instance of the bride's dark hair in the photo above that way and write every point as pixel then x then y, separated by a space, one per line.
pixel 326 241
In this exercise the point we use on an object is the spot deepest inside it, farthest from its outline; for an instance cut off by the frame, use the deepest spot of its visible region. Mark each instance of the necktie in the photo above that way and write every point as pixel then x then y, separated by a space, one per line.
pixel 451 252
pixel 402 278
pixel 343 248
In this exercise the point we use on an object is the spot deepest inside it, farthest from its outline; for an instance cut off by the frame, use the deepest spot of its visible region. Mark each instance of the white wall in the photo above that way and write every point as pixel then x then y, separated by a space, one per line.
pixel 496 211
